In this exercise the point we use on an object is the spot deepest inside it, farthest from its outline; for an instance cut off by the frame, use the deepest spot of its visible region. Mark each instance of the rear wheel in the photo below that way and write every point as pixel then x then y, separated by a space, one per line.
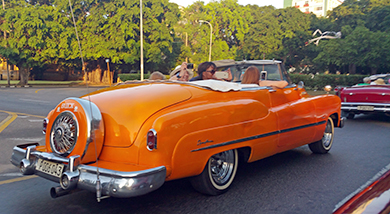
pixel 218 173
pixel 323 146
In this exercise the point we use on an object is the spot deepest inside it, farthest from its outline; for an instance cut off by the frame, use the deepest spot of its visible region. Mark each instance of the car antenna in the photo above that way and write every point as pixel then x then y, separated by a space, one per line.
pixel 98 186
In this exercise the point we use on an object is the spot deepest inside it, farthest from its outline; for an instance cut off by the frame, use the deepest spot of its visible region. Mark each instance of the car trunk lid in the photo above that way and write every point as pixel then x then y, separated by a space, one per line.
pixel 126 107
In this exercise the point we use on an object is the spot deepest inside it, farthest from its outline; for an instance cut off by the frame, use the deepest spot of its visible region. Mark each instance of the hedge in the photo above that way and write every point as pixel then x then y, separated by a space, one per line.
pixel 319 81
pixel 125 77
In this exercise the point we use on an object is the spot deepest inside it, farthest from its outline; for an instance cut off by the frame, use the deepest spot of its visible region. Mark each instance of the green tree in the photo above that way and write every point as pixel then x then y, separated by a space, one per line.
pixel 229 23
pixel 30 36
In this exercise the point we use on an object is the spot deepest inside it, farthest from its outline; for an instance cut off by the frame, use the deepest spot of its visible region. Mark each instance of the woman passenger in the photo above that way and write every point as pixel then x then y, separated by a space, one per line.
pixel 206 71
pixel 252 76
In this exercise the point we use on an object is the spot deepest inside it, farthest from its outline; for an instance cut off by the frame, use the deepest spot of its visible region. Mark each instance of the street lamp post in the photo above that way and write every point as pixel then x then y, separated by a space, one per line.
pixel 211 35
pixel 142 41
pixel 109 72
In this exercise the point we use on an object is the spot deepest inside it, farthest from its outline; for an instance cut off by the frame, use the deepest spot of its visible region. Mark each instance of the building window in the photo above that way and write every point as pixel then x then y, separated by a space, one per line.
pixel 318 8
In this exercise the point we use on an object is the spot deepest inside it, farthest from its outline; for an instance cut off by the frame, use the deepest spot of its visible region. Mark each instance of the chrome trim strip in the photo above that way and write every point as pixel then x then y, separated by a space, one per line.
pixel 364 104
pixel 258 136
pixel 94 117
pixel 114 183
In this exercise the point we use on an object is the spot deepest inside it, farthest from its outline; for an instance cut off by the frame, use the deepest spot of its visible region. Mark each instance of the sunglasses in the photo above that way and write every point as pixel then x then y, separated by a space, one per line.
pixel 212 71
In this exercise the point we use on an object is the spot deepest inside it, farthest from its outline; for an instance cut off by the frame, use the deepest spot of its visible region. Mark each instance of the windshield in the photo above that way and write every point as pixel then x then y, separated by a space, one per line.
pixel 268 71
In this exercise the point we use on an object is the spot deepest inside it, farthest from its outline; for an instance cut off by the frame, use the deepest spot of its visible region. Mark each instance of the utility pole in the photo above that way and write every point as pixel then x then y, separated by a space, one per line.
pixel 6 60
pixel 142 41
pixel 109 72
pixel 186 43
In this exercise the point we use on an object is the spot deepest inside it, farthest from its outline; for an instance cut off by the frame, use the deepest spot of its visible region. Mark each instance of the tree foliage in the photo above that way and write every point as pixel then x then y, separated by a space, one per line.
pixel 41 32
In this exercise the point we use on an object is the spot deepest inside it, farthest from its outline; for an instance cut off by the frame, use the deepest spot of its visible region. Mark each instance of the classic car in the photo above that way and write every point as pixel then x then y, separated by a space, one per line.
pixel 374 197
pixel 364 99
pixel 127 140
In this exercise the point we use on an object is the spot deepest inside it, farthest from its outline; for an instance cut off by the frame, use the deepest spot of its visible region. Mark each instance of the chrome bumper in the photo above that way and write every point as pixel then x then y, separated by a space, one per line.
pixel 378 107
pixel 110 183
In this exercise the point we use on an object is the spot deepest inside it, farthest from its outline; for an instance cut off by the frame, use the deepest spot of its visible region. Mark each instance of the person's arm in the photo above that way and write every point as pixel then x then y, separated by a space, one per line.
pixel 277 84
pixel 182 75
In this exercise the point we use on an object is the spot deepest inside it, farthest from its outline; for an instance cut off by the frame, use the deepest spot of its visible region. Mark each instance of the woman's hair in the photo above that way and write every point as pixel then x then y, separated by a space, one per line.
pixel 251 76
pixel 157 76
pixel 204 66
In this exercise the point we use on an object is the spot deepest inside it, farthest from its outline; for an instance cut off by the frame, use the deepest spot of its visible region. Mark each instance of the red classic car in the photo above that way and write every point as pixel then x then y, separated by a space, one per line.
pixel 129 139
pixel 374 198
pixel 366 99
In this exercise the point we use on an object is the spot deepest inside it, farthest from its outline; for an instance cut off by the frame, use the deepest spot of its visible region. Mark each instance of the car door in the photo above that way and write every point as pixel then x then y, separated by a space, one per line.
pixel 296 116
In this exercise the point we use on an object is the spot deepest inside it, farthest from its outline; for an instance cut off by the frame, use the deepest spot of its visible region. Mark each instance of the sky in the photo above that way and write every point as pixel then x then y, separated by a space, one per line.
pixel 276 3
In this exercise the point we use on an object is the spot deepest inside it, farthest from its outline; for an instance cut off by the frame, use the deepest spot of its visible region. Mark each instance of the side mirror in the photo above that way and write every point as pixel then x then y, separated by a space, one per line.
pixel 301 84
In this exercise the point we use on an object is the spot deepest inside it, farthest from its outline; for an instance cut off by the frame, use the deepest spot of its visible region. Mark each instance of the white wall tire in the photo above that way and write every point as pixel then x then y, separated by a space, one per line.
pixel 218 173
pixel 325 144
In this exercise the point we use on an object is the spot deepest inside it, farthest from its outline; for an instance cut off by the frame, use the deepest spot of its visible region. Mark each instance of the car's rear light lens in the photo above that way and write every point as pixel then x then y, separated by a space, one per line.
pixel 151 140
pixel 44 125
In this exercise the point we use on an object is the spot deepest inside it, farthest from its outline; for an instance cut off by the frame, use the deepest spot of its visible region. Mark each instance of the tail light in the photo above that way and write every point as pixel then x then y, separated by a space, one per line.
pixel 151 140
pixel 44 125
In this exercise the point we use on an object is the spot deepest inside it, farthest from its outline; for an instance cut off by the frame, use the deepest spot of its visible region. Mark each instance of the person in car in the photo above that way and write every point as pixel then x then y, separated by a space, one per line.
pixel 206 71
pixel 252 76
pixel 157 75
pixel 183 74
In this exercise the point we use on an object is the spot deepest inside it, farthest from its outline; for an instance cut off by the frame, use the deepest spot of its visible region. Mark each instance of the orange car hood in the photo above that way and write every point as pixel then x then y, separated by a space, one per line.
pixel 126 107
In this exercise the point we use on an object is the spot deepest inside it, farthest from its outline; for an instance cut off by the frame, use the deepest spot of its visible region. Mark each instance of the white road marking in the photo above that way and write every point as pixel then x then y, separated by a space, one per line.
pixel 26 139
pixel 37 101
pixel 36 121
pixel 15 174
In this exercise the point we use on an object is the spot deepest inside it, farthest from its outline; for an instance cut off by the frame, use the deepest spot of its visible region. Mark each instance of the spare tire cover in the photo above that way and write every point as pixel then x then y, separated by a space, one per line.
pixel 76 128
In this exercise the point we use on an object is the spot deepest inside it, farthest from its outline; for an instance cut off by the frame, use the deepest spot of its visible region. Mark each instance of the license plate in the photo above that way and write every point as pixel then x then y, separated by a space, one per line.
pixel 48 167
pixel 365 108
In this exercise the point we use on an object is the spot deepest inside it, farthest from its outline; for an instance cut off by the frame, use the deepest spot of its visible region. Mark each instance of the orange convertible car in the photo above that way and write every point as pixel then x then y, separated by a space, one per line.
pixel 129 139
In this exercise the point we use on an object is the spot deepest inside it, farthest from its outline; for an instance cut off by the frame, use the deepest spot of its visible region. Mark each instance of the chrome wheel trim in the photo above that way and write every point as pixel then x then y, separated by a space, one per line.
pixel 327 139
pixel 64 132
pixel 222 169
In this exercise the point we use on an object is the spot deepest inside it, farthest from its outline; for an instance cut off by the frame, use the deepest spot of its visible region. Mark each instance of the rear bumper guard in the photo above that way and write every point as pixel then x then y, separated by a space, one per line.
pixel 113 183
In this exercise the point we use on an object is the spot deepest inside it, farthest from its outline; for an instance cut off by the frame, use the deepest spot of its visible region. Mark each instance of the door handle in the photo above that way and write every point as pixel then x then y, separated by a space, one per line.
pixel 271 90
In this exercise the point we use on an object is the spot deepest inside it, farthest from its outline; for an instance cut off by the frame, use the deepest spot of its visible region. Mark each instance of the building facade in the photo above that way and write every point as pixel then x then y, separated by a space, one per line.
pixel 318 7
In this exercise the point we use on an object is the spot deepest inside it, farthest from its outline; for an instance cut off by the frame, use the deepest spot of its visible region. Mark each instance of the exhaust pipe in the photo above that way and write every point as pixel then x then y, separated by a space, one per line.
pixel 26 167
pixel 56 192
pixel 69 180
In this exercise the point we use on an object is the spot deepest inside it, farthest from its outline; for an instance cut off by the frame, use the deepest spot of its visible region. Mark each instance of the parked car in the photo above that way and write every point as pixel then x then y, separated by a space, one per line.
pixel 373 198
pixel 129 139
pixel 365 98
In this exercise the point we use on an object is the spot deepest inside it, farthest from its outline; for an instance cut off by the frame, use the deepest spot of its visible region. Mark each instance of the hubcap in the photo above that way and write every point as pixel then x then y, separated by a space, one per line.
pixel 221 166
pixel 64 133
pixel 328 134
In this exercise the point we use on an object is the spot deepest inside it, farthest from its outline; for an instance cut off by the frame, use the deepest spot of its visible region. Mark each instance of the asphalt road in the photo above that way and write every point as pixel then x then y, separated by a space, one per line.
pixel 295 181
